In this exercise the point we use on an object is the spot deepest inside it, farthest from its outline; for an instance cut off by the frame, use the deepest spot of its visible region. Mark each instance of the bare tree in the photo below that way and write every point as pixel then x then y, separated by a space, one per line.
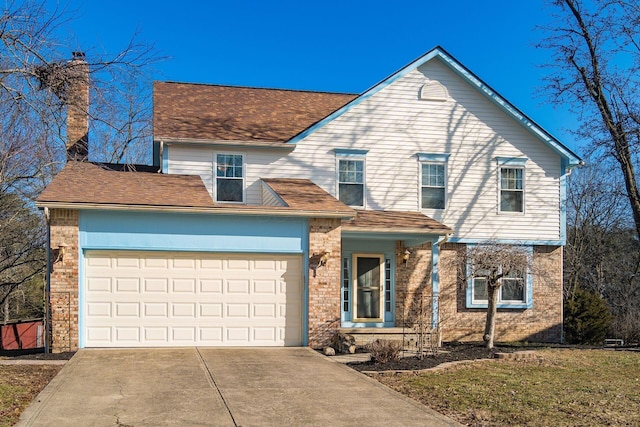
pixel 493 265
pixel 35 80
pixel 595 69
pixel 602 255
pixel 597 216
pixel 22 245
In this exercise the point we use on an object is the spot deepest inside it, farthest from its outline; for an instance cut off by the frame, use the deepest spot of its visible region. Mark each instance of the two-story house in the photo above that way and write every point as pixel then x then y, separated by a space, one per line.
pixel 280 217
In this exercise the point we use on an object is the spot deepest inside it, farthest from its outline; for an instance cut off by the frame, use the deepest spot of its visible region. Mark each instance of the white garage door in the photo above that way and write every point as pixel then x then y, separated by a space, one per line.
pixel 158 299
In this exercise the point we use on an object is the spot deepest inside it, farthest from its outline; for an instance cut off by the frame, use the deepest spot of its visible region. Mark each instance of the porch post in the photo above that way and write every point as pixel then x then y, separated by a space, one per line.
pixel 435 280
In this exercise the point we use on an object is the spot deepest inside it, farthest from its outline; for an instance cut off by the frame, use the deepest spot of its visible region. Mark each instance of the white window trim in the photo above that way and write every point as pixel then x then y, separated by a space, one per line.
pixel 512 163
pixel 244 176
pixel 433 159
pixel 353 155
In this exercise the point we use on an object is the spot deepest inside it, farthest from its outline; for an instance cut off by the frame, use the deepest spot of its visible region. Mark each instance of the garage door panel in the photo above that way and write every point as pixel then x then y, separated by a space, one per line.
pixel 183 285
pixel 99 309
pixel 175 299
pixel 99 284
pixel 211 264
pixel 155 309
pixel 156 334
pixel 265 287
pixel 131 263
pixel 127 284
pixel 238 286
pixel 213 310
pixel 127 309
pixel 184 263
pixel 160 285
pixel 237 335
pixel 211 286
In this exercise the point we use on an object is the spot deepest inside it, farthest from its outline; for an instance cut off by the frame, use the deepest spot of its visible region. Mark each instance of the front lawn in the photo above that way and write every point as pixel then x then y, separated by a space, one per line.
pixel 562 388
pixel 19 384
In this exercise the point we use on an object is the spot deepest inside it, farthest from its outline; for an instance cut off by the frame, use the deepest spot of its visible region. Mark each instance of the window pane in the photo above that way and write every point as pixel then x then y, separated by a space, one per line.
pixel 352 194
pixel 229 165
pixel 351 171
pixel 511 179
pixel 433 175
pixel 480 289
pixel 512 290
pixel 432 198
pixel 229 190
pixel 511 201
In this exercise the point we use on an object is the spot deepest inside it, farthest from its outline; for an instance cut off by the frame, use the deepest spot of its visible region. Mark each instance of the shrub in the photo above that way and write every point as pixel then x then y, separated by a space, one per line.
pixel 586 318
pixel 384 351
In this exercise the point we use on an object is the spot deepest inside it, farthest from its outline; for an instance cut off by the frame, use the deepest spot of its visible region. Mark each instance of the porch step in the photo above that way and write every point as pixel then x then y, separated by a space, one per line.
pixel 364 336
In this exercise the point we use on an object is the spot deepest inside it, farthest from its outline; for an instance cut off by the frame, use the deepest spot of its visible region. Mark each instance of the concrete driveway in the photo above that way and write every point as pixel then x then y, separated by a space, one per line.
pixel 218 387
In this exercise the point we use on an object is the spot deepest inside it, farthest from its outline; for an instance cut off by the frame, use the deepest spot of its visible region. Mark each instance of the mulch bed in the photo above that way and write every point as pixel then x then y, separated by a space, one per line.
pixel 451 352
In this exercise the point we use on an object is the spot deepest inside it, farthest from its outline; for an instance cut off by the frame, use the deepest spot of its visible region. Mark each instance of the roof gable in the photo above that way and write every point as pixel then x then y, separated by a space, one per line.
pixel 440 54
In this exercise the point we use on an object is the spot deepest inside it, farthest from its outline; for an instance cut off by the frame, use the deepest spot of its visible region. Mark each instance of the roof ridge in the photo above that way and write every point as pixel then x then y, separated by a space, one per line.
pixel 256 87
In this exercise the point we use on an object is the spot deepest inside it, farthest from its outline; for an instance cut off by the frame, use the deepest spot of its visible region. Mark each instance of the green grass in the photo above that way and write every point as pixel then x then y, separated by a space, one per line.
pixel 563 388
pixel 19 384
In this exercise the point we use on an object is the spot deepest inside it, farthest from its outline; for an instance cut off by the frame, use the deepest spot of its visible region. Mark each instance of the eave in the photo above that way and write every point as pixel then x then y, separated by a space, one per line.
pixel 214 210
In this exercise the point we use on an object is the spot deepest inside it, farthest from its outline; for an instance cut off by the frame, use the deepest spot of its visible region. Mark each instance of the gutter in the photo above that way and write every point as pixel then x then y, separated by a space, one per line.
pixel 227 143
pixel 221 210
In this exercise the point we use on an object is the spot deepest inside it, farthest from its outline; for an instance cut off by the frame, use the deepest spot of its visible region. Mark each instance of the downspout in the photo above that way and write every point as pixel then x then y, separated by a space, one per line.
pixel 47 289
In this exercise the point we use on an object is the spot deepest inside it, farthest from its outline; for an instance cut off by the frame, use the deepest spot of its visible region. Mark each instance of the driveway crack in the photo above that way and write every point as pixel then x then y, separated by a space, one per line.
pixel 212 381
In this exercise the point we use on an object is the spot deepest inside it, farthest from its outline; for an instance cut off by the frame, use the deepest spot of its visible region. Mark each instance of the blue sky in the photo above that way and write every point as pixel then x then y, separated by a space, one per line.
pixel 340 46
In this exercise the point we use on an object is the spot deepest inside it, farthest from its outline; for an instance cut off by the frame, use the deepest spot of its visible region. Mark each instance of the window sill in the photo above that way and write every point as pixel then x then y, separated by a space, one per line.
pixel 508 305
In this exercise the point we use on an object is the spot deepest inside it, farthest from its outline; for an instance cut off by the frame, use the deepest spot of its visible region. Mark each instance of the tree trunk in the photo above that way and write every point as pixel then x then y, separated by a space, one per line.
pixel 6 310
pixel 492 306
pixel 609 111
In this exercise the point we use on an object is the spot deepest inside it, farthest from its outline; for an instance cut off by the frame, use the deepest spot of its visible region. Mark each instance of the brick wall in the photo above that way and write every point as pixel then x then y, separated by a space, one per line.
pixel 324 288
pixel 63 295
pixel 542 322
pixel 413 285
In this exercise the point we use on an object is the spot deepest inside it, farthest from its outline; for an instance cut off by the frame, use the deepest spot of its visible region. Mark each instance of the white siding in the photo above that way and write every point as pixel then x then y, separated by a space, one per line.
pixel 269 198
pixel 394 125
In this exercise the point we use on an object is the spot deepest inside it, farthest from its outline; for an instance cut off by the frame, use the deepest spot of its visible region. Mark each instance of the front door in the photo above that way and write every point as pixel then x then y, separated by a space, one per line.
pixel 368 292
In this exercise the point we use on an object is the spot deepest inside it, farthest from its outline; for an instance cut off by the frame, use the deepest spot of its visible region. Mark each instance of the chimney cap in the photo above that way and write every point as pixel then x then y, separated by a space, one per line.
pixel 78 55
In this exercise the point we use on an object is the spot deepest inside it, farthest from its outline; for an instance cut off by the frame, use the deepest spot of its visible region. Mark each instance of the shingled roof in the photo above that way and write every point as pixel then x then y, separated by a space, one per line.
pixel 186 111
pixel 90 183
pixel 304 194
pixel 394 222
pixel 96 185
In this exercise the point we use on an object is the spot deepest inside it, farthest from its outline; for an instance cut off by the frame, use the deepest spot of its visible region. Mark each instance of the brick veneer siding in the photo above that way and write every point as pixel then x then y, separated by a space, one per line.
pixel 63 295
pixel 542 322
pixel 413 286
pixel 324 288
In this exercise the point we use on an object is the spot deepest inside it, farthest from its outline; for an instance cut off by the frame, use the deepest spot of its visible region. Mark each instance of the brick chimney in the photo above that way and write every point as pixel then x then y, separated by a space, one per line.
pixel 78 108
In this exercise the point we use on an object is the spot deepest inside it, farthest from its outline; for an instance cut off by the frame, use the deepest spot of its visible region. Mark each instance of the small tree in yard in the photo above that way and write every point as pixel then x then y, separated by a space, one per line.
pixel 495 264
pixel 587 318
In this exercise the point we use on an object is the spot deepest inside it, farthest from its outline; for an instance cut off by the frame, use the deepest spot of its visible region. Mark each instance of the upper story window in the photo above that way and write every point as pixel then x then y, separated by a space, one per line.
pixel 512 173
pixel 229 178
pixel 433 185
pixel 351 176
